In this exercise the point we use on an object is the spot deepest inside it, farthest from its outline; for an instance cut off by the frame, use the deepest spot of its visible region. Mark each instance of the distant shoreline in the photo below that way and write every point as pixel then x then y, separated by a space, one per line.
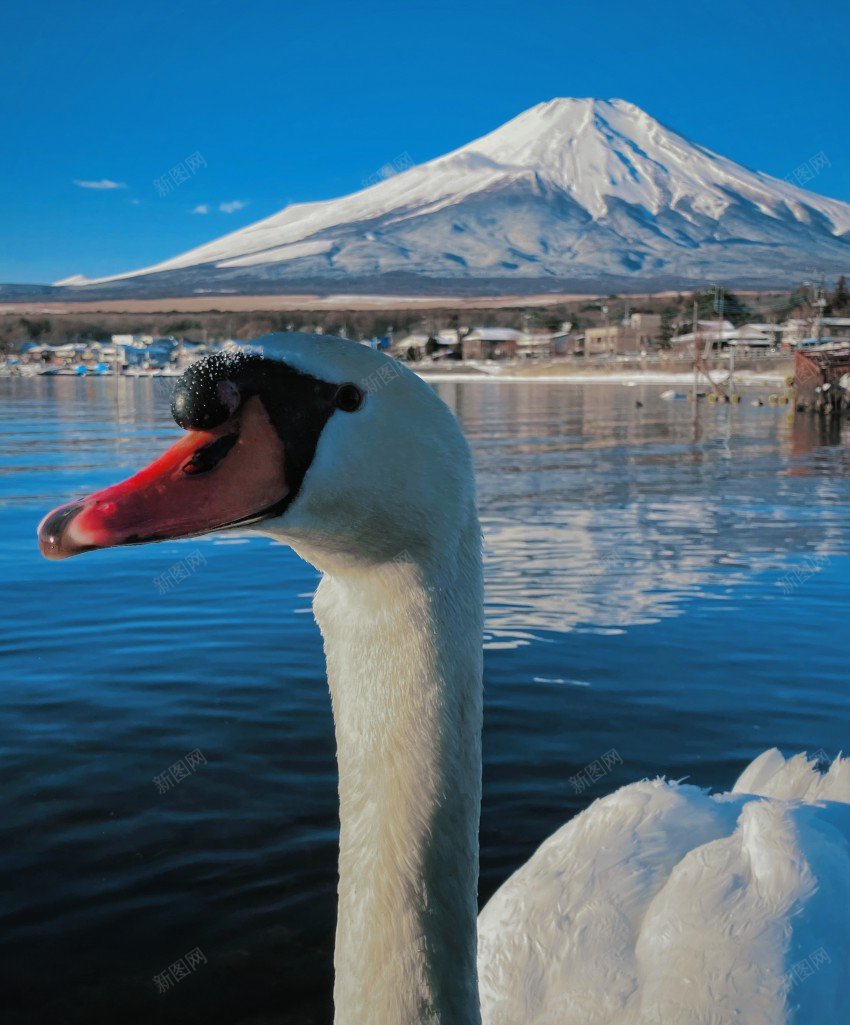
pixel 745 378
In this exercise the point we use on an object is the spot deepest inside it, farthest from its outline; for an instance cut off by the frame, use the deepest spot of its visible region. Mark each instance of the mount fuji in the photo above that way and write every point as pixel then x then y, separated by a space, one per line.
pixel 573 194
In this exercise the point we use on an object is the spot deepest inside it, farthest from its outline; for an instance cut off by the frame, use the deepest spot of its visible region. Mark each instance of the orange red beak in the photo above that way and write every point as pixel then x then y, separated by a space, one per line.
pixel 208 480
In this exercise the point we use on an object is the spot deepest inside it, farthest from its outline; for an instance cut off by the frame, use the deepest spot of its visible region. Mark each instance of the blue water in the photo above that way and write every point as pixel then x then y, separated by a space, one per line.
pixel 668 588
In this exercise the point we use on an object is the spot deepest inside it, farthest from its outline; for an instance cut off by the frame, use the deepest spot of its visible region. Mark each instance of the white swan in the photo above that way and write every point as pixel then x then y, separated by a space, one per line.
pixel 658 904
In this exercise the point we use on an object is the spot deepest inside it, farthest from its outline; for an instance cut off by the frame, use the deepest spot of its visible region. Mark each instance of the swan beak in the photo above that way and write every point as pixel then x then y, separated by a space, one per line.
pixel 209 479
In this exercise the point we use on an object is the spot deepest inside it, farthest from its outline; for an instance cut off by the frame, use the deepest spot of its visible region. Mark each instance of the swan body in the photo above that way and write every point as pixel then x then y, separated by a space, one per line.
pixel 658 905
pixel 663 904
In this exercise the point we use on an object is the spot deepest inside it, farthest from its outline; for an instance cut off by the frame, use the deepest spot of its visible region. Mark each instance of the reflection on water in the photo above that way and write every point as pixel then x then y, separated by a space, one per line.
pixel 599 514
pixel 668 582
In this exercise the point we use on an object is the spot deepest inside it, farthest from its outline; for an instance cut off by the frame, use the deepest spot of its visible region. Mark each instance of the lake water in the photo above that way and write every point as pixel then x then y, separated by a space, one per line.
pixel 670 589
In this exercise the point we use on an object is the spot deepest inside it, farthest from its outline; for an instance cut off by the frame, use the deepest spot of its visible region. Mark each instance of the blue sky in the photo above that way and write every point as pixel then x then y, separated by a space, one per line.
pixel 286 102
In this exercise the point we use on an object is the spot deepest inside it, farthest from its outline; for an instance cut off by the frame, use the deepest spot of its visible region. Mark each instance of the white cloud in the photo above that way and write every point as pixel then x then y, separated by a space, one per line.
pixel 201 208
pixel 232 207
pixel 104 183
pixel 135 202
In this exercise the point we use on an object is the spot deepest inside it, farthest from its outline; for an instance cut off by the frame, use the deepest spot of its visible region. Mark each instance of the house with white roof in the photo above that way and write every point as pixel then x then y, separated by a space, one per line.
pixel 756 336
pixel 796 329
pixel 492 343
pixel 712 333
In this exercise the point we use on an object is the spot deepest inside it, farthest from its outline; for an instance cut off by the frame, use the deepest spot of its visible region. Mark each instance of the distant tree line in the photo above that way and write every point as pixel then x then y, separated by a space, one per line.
pixel 676 317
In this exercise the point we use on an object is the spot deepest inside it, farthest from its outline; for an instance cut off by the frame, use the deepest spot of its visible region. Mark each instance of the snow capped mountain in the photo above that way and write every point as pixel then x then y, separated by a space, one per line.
pixel 572 191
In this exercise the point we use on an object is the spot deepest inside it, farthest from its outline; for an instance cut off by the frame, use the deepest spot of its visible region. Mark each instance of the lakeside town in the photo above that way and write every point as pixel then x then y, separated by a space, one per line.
pixel 639 337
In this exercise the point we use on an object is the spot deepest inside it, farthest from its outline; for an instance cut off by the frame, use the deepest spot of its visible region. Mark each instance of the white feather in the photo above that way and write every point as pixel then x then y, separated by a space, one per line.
pixel 661 904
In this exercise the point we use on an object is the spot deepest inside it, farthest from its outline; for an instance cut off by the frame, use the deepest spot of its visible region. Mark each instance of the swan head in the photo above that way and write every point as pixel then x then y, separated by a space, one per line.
pixel 332 447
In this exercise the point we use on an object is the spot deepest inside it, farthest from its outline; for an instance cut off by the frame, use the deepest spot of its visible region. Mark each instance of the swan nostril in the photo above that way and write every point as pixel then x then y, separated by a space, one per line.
pixel 209 456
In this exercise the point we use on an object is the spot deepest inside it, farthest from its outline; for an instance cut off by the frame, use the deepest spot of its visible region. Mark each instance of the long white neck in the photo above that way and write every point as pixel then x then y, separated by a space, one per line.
pixel 403 648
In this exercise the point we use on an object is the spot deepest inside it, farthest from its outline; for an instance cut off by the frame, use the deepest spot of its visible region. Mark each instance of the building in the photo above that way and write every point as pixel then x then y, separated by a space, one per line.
pixel 535 345
pixel 607 340
pixel 756 336
pixel 712 334
pixel 637 334
pixel 833 329
pixel 59 354
pixel 156 354
pixel 647 325
pixel 492 343
pixel 773 332
pixel 567 343
pixel 417 346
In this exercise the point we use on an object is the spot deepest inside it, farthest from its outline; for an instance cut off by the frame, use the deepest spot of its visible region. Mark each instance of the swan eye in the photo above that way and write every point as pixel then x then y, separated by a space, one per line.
pixel 348 398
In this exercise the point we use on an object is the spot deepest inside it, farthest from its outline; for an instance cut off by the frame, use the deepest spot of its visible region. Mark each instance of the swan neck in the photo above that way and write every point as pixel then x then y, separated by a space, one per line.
pixel 403 647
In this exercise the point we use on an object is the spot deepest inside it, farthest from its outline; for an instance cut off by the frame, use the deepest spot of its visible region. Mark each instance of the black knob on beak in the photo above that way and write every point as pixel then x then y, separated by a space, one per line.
pixel 205 397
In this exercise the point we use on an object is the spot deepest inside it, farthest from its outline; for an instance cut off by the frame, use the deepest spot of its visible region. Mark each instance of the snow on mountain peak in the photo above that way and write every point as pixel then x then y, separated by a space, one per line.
pixel 569 188
pixel 599 150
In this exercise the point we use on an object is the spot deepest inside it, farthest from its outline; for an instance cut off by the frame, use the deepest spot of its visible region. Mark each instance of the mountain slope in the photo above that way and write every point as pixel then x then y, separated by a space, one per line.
pixel 571 190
